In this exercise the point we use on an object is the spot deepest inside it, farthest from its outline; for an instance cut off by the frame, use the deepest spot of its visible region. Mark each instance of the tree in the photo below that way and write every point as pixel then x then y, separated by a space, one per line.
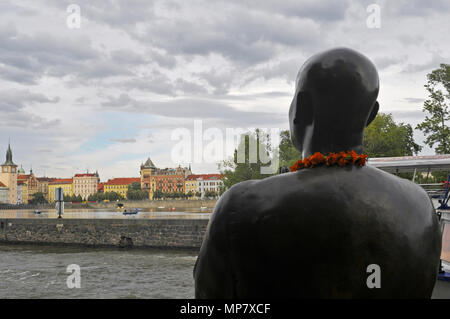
pixel 385 138
pixel 112 196
pixel 157 194
pixel 435 126
pixel 135 192
pixel 287 151
pixel 210 194
pixel 245 166
pixel 38 198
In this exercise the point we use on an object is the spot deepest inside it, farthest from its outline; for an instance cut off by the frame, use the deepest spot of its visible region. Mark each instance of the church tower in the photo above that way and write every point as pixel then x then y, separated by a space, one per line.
pixel 8 176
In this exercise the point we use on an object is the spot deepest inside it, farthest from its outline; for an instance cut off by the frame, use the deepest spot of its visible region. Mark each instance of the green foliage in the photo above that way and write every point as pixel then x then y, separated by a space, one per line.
pixel 385 138
pixel 111 196
pixel 287 152
pixel 246 163
pixel 73 198
pixel 173 195
pixel 210 194
pixel 135 192
pixel 435 126
pixel 38 198
pixel 157 194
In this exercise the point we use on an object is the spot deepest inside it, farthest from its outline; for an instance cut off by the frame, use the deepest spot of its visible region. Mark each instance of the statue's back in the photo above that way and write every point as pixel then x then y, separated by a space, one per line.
pixel 315 232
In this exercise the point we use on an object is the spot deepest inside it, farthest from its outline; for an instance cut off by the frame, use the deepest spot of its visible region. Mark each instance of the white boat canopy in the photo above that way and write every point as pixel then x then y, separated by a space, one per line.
pixel 411 163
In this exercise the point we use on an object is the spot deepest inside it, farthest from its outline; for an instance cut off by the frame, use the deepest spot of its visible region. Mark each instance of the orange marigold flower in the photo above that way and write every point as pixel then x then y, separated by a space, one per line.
pixel 353 155
pixel 341 159
pixel 316 159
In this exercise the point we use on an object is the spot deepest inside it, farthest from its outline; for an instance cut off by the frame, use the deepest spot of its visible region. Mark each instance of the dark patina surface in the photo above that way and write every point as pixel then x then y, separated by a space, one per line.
pixel 313 233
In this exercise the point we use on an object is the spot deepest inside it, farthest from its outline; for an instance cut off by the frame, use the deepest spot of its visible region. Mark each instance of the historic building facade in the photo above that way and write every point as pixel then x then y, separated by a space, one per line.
pixel 85 184
pixel 203 183
pixel 29 184
pixel 167 180
pixel 8 176
pixel 191 185
pixel 4 194
pixel 120 185
pixel 65 183
pixel 43 186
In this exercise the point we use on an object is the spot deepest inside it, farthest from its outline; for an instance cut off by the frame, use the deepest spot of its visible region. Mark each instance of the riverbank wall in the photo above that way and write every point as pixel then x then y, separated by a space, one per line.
pixel 124 233
pixel 182 204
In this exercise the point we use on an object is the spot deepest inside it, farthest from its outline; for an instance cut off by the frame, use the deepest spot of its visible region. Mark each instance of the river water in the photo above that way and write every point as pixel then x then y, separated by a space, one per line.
pixel 40 272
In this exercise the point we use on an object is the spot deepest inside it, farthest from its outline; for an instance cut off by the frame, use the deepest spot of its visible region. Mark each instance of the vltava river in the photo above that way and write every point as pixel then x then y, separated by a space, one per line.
pixel 40 272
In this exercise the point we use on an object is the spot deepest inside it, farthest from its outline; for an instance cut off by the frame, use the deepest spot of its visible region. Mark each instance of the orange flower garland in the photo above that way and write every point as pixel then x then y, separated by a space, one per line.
pixel 341 159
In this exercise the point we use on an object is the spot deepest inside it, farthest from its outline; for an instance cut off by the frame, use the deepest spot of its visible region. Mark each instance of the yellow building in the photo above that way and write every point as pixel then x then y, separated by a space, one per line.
pixel 120 185
pixel 66 184
pixel 191 184
pixel 43 183
pixel 167 180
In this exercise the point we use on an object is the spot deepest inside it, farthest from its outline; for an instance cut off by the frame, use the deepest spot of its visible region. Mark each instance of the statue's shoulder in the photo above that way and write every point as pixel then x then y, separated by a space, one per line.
pixel 319 184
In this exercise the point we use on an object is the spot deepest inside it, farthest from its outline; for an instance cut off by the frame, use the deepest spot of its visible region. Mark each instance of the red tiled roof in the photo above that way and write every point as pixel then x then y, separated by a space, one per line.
pixel 100 187
pixel 23 176
pixel 2 185
pixel 205 177
pixel 123 181
pixel 61 181
pixel 46 179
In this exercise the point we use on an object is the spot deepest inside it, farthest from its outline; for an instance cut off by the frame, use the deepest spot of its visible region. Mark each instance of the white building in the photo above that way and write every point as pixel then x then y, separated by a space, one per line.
pixel 4 194
pixel 208 182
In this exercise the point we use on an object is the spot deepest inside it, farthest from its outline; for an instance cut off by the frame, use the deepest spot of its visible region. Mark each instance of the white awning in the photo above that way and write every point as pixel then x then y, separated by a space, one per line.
pixel 410 163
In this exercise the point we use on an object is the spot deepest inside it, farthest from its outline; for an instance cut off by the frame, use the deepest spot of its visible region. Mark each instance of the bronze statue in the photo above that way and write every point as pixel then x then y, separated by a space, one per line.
pixel 317 232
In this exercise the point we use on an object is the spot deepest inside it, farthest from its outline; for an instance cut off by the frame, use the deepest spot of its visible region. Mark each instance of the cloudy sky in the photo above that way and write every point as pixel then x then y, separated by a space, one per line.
pixel 109 94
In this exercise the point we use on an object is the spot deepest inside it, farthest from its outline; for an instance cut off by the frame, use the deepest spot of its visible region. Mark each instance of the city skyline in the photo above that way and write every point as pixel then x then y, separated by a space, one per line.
pixel 109 94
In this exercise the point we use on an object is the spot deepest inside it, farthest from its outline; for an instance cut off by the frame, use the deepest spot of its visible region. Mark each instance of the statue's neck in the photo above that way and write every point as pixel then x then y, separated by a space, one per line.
pixel 331 147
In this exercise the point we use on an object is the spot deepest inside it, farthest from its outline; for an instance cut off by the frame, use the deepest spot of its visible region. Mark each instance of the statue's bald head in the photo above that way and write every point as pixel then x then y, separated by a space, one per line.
pixel 335 99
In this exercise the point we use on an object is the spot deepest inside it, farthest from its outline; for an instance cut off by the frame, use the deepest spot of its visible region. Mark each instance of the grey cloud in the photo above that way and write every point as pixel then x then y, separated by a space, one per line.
pixel 27 58
pixel 383 62
pixel 13 100
pixel 416 8
pixel 157 83
pixel 243 36
pixel 320 10
pixel 12 103
pixel 27 121
pixel 123 140
pixel 128 57
pixel 434 63
pixel 163 59
pixel 188 87
pixel 414 100
pixel 190 108
pixel 408 117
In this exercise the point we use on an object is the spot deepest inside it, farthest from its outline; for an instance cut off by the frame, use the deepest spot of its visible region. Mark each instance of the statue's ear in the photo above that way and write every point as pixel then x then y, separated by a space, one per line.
pixel 373 113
